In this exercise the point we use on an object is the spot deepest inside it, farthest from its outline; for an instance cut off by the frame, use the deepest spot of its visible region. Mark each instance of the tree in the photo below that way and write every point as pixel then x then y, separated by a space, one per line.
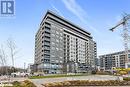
pixel 3 56
pixel 3 61
pixel 4 68
pixel 13 51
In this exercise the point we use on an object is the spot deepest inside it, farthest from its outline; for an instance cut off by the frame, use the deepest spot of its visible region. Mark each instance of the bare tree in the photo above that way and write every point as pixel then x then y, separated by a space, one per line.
pixel 3 57
pixel 12 47
pixel 3 61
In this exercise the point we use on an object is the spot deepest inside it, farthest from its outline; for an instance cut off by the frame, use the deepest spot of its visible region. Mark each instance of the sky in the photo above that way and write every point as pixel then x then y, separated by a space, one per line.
pixel 94 16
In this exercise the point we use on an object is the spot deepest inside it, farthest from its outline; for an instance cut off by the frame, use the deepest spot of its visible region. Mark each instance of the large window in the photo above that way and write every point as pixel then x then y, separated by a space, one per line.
pixel 128 55
pixel 46 65
pixel 128 66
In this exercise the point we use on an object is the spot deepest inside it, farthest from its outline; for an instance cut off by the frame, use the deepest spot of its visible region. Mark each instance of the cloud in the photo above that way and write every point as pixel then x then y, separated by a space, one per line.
pixel 113 21
pixel 72 6
pixel 55 9
pixel 77 10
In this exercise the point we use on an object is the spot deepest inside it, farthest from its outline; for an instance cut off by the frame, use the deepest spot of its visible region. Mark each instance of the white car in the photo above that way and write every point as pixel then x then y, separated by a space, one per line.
pixel 20 74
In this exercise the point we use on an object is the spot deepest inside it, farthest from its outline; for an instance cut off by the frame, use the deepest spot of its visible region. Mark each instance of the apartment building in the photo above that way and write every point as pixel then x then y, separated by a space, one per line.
pixel 62 47
pixel 114 60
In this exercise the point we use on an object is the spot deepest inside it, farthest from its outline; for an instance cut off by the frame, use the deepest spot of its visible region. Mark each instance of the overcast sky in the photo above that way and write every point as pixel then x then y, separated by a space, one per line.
pixel 95 16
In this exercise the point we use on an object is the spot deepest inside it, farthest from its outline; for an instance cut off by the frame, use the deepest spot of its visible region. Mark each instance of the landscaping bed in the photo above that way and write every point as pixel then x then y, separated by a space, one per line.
pixel 87 83
pixel 25 83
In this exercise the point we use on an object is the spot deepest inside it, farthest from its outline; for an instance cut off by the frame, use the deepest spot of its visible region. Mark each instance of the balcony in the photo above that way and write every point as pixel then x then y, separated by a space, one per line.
pixel 47 32
pixel 47 29
pixel 48 54
pixel 47 43
pixel 47 39
pixel 47 35
pixel 47 24
pixel 46 51
pixel 46 48
pixel 46 60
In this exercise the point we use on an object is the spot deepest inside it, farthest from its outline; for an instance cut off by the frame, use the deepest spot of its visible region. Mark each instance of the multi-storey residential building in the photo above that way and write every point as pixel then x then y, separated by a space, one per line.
pixel 97 62
pixel 62 47
pixel 30 68
pixel 114 60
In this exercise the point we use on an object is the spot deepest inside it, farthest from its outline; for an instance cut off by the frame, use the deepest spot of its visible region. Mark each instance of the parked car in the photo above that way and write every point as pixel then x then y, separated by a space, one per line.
pixel 38 74
pixel 20 74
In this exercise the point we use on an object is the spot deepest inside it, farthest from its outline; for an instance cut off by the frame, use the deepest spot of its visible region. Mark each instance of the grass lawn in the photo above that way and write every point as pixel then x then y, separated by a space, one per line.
pixel 55 76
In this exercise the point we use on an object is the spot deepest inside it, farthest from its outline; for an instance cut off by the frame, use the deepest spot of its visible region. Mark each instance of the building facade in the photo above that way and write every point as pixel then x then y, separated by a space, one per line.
pixel 114 60
pixel 62 47
pixel 30 68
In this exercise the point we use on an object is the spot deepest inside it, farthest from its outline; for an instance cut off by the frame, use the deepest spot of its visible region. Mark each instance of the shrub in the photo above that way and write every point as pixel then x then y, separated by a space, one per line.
pixel 27 83
pixel 58 84
pixel 16 84
pixel 48 85
pixel 103 73
pixel 88 83
pixel 93 72
pixel 66 83
pixel 126 78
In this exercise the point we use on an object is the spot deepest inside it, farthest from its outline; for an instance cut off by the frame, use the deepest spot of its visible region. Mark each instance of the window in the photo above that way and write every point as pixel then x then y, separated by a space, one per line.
pixel 61 38
pixel 46 47
pixel 128 55
pixel 57 49
pixel 61 34
pixel 61 49
pixel 57 61
pixel 61 57
pixel 53 48
pixel 57 32
pixel 52 39
pixel 47 28
pixel 61 62
pixel 53 35
pixel 61 29
pixel 53 31
pixel 57 40
pixel 53 43
pixel 57 36
pixel 52 56
pixel 46 65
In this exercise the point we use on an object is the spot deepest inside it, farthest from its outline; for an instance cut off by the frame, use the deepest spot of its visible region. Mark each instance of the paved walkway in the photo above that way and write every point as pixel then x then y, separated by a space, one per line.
pixel 38 82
